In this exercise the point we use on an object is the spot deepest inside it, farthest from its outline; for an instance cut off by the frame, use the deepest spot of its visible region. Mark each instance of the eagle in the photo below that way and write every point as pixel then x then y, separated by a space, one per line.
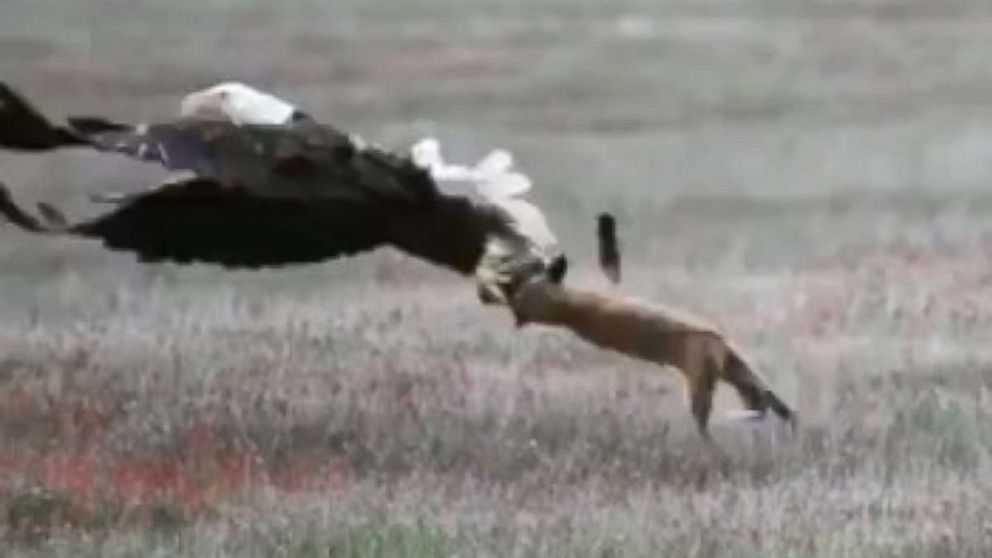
pixel 260 183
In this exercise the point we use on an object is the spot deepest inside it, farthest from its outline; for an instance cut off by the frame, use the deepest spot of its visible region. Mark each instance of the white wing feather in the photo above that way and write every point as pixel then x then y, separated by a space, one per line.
pixel 495 180
pixel 507 185
pixel 426 153
pixel 529 221
pixel 498 161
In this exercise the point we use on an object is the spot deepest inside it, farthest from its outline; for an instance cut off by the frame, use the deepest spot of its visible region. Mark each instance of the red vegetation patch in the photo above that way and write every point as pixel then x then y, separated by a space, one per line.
pixel 68 474
pixel 99 486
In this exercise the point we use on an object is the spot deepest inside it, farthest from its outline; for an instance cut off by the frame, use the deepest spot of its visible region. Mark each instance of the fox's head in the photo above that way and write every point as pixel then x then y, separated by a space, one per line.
pixel 539 299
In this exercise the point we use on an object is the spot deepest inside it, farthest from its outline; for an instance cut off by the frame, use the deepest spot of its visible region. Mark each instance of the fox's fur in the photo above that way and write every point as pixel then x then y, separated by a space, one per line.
pixel 656 334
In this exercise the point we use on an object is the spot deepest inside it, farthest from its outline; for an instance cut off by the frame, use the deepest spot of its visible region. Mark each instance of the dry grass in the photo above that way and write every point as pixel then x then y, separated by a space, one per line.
pixel 812 180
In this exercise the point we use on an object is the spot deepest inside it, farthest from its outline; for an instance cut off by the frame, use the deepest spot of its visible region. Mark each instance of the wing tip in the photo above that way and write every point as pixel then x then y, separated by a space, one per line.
pixel 52 215
pixel 24 128
pixel 16 214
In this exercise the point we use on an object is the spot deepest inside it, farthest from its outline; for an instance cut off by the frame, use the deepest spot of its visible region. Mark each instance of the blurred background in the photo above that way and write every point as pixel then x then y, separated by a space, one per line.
pixel 813 177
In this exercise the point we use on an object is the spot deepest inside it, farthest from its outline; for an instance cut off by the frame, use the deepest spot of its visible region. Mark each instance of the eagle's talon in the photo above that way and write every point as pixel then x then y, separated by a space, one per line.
pixel 491 294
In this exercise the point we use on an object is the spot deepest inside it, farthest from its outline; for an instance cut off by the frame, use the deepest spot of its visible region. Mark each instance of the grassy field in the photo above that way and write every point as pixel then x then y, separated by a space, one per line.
pixel 813 179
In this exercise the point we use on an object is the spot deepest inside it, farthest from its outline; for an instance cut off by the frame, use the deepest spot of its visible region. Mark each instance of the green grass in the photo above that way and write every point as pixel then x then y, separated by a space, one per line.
pixel 416 540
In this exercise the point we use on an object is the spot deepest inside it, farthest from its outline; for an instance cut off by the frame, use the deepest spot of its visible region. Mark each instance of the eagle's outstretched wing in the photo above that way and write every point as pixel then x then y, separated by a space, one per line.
pixel 202 220
pixel 306 161
pixel 254 155
pixel 251 154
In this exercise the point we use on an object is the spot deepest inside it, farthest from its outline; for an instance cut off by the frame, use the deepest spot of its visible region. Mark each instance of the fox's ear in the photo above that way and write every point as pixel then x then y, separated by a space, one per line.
pixel 609 246
pixel 557 269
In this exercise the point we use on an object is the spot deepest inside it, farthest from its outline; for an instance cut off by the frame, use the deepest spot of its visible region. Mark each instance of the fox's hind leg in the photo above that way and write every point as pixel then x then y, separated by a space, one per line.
pixel 753 391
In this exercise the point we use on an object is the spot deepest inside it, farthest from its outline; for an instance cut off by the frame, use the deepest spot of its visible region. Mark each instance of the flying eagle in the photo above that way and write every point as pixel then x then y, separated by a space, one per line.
pixel 263 184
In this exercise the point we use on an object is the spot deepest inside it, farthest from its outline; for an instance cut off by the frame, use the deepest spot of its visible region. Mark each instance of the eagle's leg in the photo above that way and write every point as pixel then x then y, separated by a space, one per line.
pixel 490 294
pixel 492 275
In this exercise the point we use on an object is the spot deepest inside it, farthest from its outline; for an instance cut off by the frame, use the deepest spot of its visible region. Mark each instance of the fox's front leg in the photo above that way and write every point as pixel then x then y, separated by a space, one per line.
pixel 700 387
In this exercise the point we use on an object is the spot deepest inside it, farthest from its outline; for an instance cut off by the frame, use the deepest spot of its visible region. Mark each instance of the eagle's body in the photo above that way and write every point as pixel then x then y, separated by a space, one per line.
pixel 259 191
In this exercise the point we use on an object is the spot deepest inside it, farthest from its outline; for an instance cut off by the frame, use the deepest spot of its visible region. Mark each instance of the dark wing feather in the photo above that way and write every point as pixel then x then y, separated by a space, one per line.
pixel 52 215
pixel 89 125
pixel 609 246
pixel 307 162
pixel 175 146
pixel 204 221
pixel 17 215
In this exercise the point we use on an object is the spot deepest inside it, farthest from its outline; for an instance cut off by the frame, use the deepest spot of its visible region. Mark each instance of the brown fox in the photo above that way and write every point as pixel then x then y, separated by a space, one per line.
pixel 653 333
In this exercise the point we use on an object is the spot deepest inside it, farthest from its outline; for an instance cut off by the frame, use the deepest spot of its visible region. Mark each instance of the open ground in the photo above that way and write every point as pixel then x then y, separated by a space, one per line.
pixel 814 179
